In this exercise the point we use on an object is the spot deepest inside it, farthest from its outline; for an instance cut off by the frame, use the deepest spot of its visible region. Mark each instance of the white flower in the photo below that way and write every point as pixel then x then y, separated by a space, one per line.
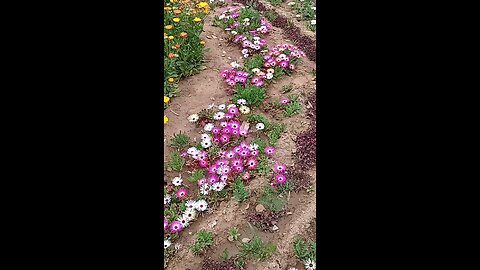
pixel 310 265
pixel 177 181
pixel 244 51
pixel 190 204
pixel 206 143
pixel 167 199
pixel 228 29
pixel 166 243
pixel 234 64
pixel 253 146
pixel 201 205
pixel 223 124
pixel 246 23
pixel 219 116
pixel 269 76
pixel 298 15
pixel 313 22
pixel 260 126
pixel 246 20
pixel 244 109
pixel 204 191
pixel 234 32
pixel 292 268
pixel 193 118
pixel 291 3
pixel 221 107
pixel 256 38
pixel 255 70
pixel 211 106
pixel 184 221
pixel 190 214
pixel 205 137
pixel 314 8
pixel 221 17
pixel 218 186
pixel 256 42
pixel 192 150
pixel 245 55
pixel 208 127
pixel 241 101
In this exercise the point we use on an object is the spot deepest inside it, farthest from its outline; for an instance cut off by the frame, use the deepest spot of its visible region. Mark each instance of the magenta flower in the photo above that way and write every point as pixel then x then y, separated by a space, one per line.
pixel 201 182
pixel 212 179
pixel 237 149
pixel 176 226
pixel 259 84
pixel 254 153
pixel 230 154
pixel 184 154
pixel 238 169
pixel 269 151
pixel 221 162
pixel 213 169
pixel 284 101
pixel 215 130
pixel 226 170
pixel 226 130
pixel 243 132
pixel 203 163
pixel 280 168
pixel 165 223
pixel 233 110
pixel 228 116
pixel 224 178
pixel 280 179
pixel 252 163
pixel 234 124
pixel 216 139
pixel 182 193
pixel 284 64
pixel 244 153
pixel 224 138
pixel 244 145
pixel 236 162
pixel 235 132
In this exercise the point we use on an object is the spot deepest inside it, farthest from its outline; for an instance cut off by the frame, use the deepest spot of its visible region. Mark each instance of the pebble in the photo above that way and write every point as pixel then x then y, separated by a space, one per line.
pixel 274 228
pixel 245 240
pixel 260 208
pixel 289 213
pixel 213 36
pixel 229 58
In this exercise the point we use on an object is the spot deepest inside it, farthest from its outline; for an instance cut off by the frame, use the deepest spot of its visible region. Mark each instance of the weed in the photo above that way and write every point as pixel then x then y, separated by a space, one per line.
pixel 177 162
pixel 180 141
pixel 286 187
pixel 276 2
pixel 274 132
pixel 240 263
pixel 239 191
pixel 271 200
pixel 293 107
pixel 225 256
pixel 287 88
pixel 257 249
pixel 196 175
pixel 263 168
pixel 270 15
pixel 204 240
pixel 303 250
pixel 233 233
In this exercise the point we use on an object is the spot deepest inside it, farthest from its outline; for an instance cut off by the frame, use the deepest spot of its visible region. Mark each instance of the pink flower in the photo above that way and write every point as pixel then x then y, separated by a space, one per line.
pixel 221 162
pixel 284 101
pixel 235 132
pixel 224 138
pixel 237 149
pixel 230 154
pixel 201 182
pixel 212 179
pixel 236 162
pixel 244 153
pixel 213 169
pixel 280 179
pixel 243 132
pixel 226 130
pixel 233 110
pixel 216 139
pixel 203 163
pixel 284 64
pixel 254 153
pixel 176 226
pixel 252 163
pixel 224 178
pixel 234 124
pixel 228 116
pixel 238 169
pixel 182 193
pixel 226 170
pixel 246 176
pixel 215 130
pixel 165 223
pixel 269 151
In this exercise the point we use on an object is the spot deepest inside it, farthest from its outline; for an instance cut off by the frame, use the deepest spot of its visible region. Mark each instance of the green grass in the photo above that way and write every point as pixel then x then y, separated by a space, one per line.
pixel 240 263
pixel 177 162
pixel 304 250
pixel 240 193
pixel 180 141
pixel 270 15
pixel 274 132
pixel 196 175
pixel 204 240
pixel 270 199
pixel 293 107
pixel 257 249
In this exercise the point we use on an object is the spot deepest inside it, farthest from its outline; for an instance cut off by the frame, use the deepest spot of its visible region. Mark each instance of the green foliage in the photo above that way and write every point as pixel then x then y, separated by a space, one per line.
pixel 270 200
pixel 257 118
pixel 252 94
pixel 286 187
pixel 177 162
pixel 256 61
pixel 304 250
pixel 276 2
pixel 261 144
pixel 196 175
pixel 240 263
pixel 257 249
pixel 270 15
pixel 274 132
pixel 262 167
pixel 233 233
pixel 240 193
pixel 225 256
pixel 293 107
pixel 204 240
pixel 180 141
pixel 287 88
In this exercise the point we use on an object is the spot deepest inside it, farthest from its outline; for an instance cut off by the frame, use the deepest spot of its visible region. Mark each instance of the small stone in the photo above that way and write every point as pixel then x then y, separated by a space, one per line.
pixel 229 58
pixel 289 213
pixel 248 205
pixel 209 37
pixel 223 55
pixel 245 240
pixel 224 52
pixel 190 233
pixel 213 36
pixel 260 208
pixel 169 169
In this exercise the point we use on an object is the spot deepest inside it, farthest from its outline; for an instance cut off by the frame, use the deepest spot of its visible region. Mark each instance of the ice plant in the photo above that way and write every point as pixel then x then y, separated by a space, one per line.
pixel 269 151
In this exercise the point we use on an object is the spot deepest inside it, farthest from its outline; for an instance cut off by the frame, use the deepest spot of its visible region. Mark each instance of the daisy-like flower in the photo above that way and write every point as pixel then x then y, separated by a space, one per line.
pixel 314 8
pixel 233 110
pixel 234 32
pixel 270 70
pixel 182 193
pixel 167 199
pixel 313 22
pixel 166 243
pixel 270 151
pixel 212 179
pixel 190 214
pixel 269 76
pixel 309 265
pixel 225 138
pixel 243 132
pixel 234 124
pixel 246 176
pixel 238 169
pixel 254 153
pixel 291 3
pixel 252 163
pixel 244 145
pixel 183 220
pixel 193 118
pixel 280 179
pixel 204 189
pixel 190 204
pixel 280 168
pixel 221 107
pixel 192 150
pixel 219 115
pixel 206 143
pixel 241 101
pixel 255 70
pixel 201 205
pixel 244 109
pixel 234 64
pixel 223 178
pixel 177 181
pixel 205 136
pixel 176 226
pixel 284 101
pixel 223 124
pixel 292 268
pixel 218 186
pixel 230 154
pixel 215 130
pixel 236 162
pixel 202 181
pixel 208 127
pixel 253 146
pixel 165 223
pixel 244 153
pixel 259 126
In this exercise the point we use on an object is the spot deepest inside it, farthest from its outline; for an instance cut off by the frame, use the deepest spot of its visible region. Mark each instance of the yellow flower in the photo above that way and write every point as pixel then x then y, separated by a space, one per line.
pixel 197 19
pixel 169 27
pixel 170 37
pixel 203 5
pixel 177 11
pixel 166 99
pixel 202 42
pixel 176 19
pixel 171 80
pixel 165 119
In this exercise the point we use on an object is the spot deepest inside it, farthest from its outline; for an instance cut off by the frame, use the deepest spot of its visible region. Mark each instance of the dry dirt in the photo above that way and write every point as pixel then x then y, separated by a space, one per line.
pixel 205 88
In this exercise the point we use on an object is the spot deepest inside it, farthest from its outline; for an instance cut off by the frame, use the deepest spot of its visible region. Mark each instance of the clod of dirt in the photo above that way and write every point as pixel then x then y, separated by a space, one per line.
pixel 245 240
pixel 230 238
pixel 260 208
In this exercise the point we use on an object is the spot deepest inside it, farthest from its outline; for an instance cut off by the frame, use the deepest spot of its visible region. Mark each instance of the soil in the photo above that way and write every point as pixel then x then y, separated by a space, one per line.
pixel 205 88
